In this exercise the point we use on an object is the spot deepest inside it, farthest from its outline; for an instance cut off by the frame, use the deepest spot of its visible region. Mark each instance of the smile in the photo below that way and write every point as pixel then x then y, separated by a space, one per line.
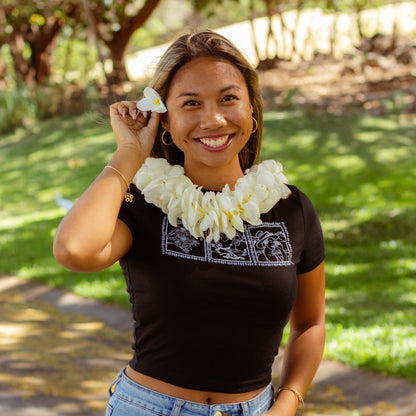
pixel 216 143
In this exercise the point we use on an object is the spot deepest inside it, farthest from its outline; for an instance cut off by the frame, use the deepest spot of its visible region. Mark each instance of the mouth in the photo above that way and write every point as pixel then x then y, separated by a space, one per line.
pixel 215 143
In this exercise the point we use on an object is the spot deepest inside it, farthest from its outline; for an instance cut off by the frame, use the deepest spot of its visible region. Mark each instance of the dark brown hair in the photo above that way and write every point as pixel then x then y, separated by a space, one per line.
pixel 196 45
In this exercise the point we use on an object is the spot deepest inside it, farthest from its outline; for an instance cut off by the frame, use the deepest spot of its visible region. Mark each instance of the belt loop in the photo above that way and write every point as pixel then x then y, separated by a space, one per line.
pixel 246 409
pixel 114 383
pixel 177 407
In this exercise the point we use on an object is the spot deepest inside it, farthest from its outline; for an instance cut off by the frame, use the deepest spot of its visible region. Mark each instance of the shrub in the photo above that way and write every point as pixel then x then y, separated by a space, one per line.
pixel 17 107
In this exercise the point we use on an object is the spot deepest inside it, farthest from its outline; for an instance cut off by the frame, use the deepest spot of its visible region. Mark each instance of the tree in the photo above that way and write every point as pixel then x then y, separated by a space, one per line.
pixel 274 8
pixel 30 29
pixel 113 22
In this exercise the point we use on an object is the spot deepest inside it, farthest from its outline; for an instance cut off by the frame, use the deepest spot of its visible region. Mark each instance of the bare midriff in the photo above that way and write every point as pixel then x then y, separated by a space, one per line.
pixel 197 396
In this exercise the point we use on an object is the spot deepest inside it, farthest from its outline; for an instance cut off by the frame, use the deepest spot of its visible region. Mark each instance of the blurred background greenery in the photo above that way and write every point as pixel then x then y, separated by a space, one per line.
pixel 339 115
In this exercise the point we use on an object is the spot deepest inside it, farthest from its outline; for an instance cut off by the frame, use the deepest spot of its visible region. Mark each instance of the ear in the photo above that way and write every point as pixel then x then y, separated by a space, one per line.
pixel 164 119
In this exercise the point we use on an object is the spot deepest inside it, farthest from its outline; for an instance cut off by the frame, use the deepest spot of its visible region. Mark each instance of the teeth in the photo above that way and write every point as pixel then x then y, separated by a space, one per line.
pixel 220 141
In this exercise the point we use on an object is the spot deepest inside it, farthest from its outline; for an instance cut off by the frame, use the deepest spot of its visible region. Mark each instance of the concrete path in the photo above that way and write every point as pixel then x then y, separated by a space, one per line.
pixel 59 353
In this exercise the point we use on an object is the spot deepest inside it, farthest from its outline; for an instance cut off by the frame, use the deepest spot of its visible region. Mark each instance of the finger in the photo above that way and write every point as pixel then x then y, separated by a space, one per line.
pixel 154 121
pixel 126 108
pixel 132 110
pixel 118 109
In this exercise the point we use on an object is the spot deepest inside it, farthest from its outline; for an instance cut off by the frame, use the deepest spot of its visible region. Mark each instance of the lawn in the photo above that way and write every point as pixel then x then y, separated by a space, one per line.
pixel 358 170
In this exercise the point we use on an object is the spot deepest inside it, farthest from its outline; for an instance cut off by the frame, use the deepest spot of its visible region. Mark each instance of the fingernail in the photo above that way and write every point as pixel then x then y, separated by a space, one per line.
pixel 134 114
pixel 144 114
pixel 123 112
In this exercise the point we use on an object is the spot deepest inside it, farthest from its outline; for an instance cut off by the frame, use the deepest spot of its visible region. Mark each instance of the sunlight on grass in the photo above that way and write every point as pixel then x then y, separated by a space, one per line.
pixel 104 290
pixel 346 269
pixel 358 171
pixel 351 162
pixel 20 220
pixel 389 349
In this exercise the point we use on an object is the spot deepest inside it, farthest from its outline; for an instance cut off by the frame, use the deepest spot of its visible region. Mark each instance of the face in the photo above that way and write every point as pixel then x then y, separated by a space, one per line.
pixel 209 114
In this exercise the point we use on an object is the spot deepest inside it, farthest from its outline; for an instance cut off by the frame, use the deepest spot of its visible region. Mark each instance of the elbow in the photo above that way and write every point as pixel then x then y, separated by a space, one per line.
pixel 71 257
pixel 63 254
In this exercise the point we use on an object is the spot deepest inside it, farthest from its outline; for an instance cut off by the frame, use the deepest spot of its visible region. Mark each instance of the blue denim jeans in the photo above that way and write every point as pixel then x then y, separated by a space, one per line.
pixel 128 398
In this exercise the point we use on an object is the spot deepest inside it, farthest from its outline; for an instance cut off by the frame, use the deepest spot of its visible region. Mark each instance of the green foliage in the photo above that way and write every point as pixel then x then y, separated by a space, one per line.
pixel 58 155
pixel 30 29
pixel 223 12
pixel 16 107
pixel 74 59
pixel 23 106
pixel 6 64
pixel 169 19
pixel 359 172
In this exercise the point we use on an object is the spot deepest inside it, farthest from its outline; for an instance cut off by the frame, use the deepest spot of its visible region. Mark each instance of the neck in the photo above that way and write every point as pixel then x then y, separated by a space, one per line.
pixel 214 178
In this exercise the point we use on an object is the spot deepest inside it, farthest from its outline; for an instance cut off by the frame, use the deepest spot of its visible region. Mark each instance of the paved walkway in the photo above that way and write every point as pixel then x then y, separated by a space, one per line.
pixel 59 353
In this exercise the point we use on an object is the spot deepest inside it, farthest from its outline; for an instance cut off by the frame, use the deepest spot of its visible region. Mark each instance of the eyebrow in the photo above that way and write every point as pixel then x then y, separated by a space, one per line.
pixel 222 90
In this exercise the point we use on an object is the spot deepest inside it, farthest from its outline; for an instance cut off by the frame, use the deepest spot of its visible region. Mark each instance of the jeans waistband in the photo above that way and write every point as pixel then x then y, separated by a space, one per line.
pixel 163 404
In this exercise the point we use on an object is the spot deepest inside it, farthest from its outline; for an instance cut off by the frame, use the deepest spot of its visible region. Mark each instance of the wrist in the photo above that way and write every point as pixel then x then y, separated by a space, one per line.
pixel 128 160
pixel 288 402
pixel 131 151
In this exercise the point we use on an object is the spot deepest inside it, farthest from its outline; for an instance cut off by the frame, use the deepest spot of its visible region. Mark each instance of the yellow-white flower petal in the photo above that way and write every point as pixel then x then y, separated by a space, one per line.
pixel 251 213
pixel 152 101
pixel 209 214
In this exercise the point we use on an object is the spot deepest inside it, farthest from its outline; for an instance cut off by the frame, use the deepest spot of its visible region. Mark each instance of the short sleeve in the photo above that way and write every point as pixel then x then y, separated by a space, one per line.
pixel 313 252
pixel 128 210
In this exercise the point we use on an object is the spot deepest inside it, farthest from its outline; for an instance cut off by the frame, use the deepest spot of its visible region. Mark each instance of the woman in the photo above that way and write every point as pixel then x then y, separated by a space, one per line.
pixel 216 258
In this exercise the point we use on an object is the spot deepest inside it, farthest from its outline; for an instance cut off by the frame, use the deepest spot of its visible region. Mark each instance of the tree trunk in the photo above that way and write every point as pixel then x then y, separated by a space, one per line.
pixel 293 32
pixel 37 68
pixel 40 60
pixel 119 42
pixel 21 66
pixel 270 36
pixel 333 34
pixel 253 31
pixel 283 29
pixel 396 29
pixel 117 54
pixel 93 34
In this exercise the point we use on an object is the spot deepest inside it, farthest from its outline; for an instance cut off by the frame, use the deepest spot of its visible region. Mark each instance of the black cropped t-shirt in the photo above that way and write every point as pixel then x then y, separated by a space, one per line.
pixel 210 316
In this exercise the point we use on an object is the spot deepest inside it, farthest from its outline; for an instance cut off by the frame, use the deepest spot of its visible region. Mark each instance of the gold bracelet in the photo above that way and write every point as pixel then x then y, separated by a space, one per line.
pixel 297 394
pixel 128 197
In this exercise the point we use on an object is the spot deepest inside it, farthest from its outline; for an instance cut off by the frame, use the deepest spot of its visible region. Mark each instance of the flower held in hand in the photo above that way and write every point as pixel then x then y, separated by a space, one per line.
pixel 152 101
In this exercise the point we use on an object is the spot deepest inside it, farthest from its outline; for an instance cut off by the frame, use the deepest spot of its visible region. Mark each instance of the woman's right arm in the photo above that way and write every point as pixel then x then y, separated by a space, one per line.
pixel 91 237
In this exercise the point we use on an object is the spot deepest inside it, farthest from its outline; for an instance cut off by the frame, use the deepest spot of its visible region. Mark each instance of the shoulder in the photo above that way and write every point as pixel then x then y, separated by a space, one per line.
pixel 297 209
pixel 137 200
pixel 297 193
pixel 297 199
pixel 136 210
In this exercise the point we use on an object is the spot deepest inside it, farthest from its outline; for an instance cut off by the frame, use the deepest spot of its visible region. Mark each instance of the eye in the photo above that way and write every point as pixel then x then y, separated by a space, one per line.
pixel 229 98
pixel 191 103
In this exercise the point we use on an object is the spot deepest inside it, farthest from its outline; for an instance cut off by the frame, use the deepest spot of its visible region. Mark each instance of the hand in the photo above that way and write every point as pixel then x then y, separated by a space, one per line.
pixel 132 128
pixel 286 404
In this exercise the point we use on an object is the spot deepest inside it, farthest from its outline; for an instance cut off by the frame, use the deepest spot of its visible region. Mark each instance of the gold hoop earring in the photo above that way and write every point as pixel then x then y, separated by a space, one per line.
pixel 256 125
pixel 162 137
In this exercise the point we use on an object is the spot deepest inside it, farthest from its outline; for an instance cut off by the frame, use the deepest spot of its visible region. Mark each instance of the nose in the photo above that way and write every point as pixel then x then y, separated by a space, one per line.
pixel 212 118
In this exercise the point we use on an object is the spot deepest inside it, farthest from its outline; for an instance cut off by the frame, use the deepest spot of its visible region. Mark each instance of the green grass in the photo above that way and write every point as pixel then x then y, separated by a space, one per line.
pixel 359 171
pixel 59 155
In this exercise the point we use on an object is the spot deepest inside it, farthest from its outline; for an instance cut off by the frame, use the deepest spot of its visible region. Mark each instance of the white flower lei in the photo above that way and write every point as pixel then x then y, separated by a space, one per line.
pixel 207 214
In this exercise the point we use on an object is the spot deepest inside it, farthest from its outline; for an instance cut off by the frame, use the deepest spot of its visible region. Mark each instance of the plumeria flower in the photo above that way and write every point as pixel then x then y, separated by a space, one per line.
pixel 208 214
pixel 152 101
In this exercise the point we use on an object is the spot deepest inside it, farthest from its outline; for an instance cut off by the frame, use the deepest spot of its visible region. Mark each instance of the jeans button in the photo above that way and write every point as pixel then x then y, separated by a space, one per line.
pixel 217 413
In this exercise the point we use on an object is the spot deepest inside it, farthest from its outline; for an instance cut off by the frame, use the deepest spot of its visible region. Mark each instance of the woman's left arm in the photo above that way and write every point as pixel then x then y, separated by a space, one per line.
pixel 306 342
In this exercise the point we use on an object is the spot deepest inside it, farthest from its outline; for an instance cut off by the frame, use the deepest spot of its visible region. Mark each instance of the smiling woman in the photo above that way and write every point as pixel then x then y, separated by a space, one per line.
pixel 212 123
pixel 218 252
pixel 220 53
